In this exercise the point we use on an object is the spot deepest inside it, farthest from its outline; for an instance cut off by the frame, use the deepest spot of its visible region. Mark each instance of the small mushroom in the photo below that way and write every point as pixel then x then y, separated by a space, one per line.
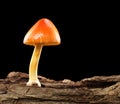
pixel 42 33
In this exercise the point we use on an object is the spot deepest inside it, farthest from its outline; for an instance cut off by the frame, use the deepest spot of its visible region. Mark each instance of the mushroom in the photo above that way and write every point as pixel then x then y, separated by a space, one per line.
pixel 42 33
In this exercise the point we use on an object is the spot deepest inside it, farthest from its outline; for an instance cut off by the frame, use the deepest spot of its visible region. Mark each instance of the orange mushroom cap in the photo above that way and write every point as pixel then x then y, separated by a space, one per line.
pixel 42 32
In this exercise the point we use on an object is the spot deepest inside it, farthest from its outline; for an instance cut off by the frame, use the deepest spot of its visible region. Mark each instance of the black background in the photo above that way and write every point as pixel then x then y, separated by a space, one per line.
pixel 89 38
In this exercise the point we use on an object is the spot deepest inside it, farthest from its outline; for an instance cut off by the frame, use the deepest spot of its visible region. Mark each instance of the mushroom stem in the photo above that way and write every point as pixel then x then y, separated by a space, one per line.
pixel 33 67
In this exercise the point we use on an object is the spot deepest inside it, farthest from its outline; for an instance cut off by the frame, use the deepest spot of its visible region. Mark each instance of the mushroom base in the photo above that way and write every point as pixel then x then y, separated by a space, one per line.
pixel 33 82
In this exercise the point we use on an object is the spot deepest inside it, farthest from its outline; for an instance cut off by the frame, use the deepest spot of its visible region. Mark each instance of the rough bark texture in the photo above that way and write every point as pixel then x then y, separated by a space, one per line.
pixel 94 90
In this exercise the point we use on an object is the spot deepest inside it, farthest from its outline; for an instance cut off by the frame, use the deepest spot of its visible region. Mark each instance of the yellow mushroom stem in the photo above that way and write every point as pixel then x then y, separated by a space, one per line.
pixel 33 67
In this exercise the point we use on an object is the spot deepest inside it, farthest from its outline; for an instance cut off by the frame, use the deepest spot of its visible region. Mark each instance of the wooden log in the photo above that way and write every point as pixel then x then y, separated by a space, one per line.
pixel 94 90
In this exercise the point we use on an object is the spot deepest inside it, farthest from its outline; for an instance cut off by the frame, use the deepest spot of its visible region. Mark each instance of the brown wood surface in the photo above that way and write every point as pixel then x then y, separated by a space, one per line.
pixel 94 90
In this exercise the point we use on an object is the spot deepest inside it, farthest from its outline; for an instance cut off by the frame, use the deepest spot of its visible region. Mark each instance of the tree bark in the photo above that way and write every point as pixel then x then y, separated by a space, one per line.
pixel 94 90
